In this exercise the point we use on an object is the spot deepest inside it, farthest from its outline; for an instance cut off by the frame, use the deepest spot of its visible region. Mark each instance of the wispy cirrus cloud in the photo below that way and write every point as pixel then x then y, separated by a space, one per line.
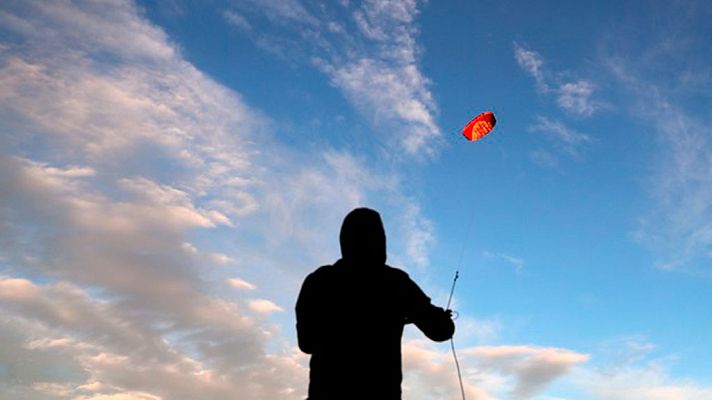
pixel 373 60
pixel 284 11
pixel 650 78
pixel 516 262
pixel 575 98
pixel 391 96
pixel 386 81
pixel 237 20
pixel 532 62
pixel 565 139
pixel 677 226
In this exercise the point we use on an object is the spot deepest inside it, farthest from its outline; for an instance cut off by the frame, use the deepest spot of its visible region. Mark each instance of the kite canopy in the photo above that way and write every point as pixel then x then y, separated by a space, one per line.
pixel 480 126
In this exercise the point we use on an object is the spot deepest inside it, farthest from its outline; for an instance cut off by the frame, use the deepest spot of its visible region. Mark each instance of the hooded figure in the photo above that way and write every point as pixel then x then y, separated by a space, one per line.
pixel 350 317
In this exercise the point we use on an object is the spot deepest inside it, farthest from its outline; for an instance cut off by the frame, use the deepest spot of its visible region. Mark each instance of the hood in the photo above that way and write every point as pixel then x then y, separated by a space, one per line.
pixel 362 238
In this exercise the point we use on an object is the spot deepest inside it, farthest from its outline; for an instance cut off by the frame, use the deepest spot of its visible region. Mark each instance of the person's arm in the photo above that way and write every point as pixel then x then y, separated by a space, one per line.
pixel 435 322
pixel 306 329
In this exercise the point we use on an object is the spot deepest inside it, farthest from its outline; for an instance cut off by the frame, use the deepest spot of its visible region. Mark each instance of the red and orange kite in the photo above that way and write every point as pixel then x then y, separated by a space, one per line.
pixel 480 126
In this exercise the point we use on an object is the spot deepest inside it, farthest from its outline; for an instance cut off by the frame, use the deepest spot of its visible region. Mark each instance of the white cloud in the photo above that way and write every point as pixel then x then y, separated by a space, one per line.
pixel 375 65
pixel 563 137
pixel 104 112
pixel 573 97
pixel 17 289
pixel 115 341
pixel 680 225
pixel 238 283
pixel 121 396
pixel 264 306
pixel 220 258
pixel 677 227
pixel 237 20
pixel 394 96
pixel 516 262
pixel 376 17
pixel 429 373
pixel 116 29
pixel 531 367
pixel 489 372
pixel 576 98
pixel 532 63
pixel 176 202
pixel 626 350
pixel 637 379
pixel 286 11
pixel 623 368
pixel 385 82
pixel 418 231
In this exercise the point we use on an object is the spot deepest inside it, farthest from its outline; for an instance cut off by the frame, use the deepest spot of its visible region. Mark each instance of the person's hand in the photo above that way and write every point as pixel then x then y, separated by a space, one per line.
pixel 452 314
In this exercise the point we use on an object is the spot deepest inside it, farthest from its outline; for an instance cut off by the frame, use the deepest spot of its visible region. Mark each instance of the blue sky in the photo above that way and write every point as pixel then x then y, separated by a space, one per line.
pixel 171 171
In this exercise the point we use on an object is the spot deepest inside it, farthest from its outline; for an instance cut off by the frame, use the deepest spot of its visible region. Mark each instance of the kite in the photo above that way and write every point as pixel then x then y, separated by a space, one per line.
pixel 480 126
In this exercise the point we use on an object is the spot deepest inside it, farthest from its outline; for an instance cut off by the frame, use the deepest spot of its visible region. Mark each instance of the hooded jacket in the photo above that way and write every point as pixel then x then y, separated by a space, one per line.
pixel 350 317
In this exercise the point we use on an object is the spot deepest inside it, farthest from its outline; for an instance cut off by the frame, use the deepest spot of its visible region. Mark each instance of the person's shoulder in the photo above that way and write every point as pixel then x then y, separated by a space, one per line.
pixel 321 272
pixel 403 282
pixel 316 279
pixel 397 273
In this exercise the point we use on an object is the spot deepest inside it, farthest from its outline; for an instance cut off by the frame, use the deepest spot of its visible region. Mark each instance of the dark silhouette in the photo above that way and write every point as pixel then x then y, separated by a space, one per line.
pixel 350 317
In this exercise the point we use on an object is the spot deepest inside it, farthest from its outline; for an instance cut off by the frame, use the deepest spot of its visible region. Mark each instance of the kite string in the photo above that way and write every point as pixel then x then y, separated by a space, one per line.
pixel 457 366
pixel 449 300
pixel 452 340
pixel 470 222
pixel 452 289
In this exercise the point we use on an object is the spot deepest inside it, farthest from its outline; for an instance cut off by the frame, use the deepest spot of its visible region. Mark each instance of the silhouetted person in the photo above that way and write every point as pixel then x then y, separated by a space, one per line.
pixel 350 317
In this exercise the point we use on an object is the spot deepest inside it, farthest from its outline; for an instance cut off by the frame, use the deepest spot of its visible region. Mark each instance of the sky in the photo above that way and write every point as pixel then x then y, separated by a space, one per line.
pixel 171 171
